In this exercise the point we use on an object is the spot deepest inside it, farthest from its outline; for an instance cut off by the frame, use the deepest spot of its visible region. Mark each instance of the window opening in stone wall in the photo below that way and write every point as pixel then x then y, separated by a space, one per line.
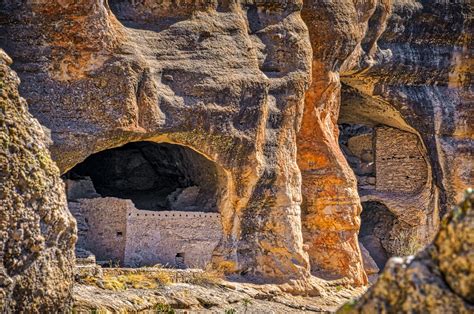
pixel 180 261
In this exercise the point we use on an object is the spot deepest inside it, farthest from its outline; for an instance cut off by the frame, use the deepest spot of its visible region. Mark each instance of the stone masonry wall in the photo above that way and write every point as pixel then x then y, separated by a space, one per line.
pixel 400 165
pixel 115 230
pixel 157 237
pixel 102 227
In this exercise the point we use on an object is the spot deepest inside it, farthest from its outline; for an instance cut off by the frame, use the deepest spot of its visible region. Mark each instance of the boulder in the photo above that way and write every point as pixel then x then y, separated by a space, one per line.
pixel 37 232
pixel 370 266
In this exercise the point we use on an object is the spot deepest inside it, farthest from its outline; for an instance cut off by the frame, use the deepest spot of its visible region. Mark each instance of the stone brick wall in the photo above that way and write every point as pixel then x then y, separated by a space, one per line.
pixel 157 237
pixel 102 226
pixel 400 165
pixel 114 229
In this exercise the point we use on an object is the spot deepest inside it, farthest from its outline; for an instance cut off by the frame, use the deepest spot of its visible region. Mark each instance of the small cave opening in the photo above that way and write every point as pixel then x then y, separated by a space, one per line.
pixel 153 176
pixel 376 224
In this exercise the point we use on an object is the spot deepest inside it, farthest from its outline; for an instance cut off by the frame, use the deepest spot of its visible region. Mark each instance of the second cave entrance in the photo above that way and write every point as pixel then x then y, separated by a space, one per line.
pixel 155 176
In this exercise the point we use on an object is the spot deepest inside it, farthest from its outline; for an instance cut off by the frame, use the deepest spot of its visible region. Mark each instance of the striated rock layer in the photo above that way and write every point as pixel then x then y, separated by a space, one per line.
pixel 260 89
pixel 331 206
pixel 37 232
pixel 399 66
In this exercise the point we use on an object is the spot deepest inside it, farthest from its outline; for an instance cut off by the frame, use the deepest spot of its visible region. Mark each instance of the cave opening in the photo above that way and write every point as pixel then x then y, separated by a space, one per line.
pixel 377 222
pixel 153 176
pixel 147 203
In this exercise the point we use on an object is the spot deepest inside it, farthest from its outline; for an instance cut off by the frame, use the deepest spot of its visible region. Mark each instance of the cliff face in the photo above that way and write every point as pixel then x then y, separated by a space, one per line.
pixel 419 67
pixel 404 70
pixel 317 113
pixel 331 205
pixel 222 78
pixel 37 232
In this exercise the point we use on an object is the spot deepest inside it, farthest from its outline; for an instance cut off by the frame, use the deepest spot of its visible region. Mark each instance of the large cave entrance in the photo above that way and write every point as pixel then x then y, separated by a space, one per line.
pixel 154 176
pixel 148 203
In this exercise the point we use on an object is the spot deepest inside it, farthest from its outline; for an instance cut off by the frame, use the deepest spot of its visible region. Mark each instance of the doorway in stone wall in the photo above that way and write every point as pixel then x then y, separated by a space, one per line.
pixel 376 225
pixel 148 203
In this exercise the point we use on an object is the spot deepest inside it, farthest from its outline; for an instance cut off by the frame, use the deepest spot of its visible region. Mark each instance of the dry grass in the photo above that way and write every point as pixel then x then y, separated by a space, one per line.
pixel 407 242
pixel 207 277
pixel 148 280
pixel 118 280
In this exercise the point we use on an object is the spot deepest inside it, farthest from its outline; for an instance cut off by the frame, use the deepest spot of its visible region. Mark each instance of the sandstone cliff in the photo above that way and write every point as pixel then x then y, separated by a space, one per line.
pixel 338 127
pixel 399 66
pixel 224 78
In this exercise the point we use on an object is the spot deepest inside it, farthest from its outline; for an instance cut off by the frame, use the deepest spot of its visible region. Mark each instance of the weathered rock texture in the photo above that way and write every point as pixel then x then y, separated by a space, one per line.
pixel 154 176
pixel 331 203
pixel 414 76
pixel 440 279
pixel 225 78
pixel 232 81
pixel 37 232
pixel 404 65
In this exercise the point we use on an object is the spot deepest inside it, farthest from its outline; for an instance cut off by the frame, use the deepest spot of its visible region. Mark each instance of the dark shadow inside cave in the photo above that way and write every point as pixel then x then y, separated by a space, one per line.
pixel 154 176
pixel 376 223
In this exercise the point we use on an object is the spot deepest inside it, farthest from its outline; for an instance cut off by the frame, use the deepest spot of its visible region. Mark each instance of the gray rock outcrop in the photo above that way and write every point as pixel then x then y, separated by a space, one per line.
pixel 37 232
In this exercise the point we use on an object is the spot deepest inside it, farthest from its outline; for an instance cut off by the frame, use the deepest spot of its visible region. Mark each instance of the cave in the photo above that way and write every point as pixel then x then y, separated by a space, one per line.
pixel 376 224
pixel 154 176
pixel 148 203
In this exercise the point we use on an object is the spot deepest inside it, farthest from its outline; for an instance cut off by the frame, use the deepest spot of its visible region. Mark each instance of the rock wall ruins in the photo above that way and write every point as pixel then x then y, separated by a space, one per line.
pixel 102 226
pixel 115 230
pixel 163 237
pixel 400 165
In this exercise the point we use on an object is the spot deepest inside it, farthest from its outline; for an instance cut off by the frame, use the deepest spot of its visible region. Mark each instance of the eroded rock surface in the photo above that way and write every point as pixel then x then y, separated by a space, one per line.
pixel 439 279
pixel 238 83
pixel 404 70
pixel 224 78
pixel 37 232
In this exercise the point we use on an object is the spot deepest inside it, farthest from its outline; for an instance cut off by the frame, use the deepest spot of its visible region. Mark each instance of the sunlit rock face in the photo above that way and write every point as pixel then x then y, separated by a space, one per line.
pixel 331 205
pixel 224 78
pixel 37 232
pixel 418 69
pixel 265 91
pixel 384 65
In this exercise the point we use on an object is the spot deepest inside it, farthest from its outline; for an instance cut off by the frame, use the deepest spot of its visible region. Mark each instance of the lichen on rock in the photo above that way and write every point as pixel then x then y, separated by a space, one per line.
pixel 37 232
